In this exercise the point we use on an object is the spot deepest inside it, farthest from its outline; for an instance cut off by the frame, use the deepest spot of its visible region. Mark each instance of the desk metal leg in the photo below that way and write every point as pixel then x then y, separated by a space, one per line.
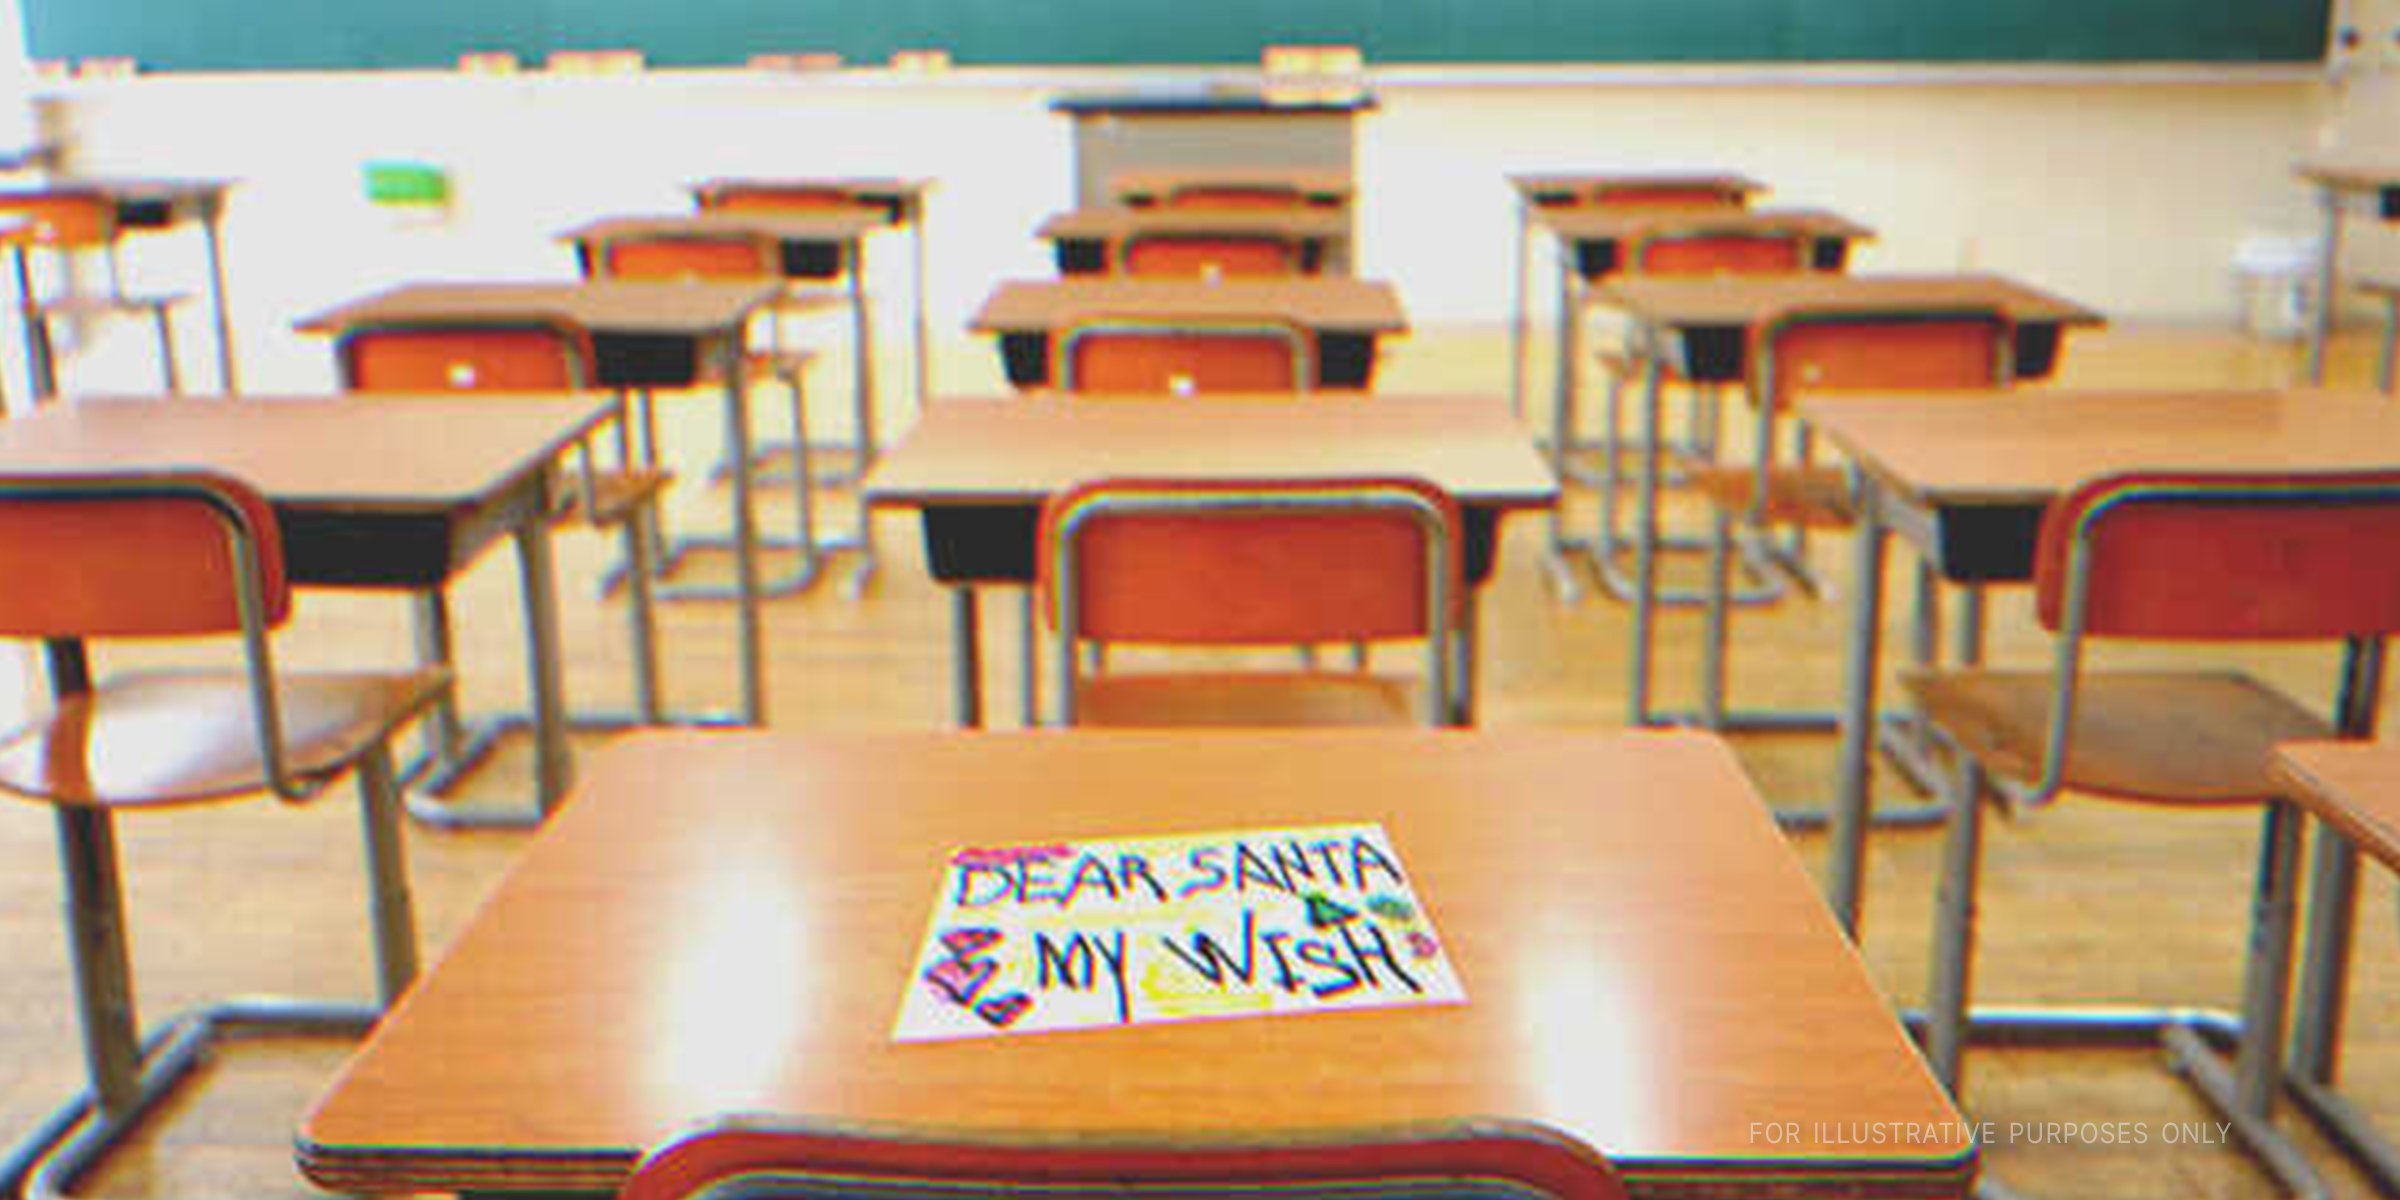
pixel 1563 554
pixel 1645 545
pixel 916 242
pixel 537 572
pixel 745 538
pixel 1844 877
pixel 1520 319
pixel 2320 325
pixel 1029 660
pixel 862 352
pixel 214 231
pixel 966 659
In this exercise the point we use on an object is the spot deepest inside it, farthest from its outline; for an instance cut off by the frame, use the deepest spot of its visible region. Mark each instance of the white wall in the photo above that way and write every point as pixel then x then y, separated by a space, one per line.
pixel 2127 189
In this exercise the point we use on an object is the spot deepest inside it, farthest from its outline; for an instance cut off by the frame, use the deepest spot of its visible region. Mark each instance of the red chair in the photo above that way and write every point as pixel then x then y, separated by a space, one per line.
pixel 1250 563
pixel 763 1159
pixel 1210 256
pixel 69 224
pixel 435 357
pixel 1185 358
pixel 177 556
pixel 2184 557
pixel 1815 352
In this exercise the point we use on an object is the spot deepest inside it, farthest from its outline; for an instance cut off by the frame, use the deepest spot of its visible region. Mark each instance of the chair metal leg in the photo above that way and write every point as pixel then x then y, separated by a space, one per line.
pixel 130 1074
pixel 2246 1094
pixel 1954 929
pixel 390 906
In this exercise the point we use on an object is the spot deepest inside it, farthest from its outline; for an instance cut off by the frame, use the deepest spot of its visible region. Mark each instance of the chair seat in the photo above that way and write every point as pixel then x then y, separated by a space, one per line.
pixel 1261 699
pixel 85 305
pixel 616 494
pixel 2170 738
pixel 165 738
pixel 1818 497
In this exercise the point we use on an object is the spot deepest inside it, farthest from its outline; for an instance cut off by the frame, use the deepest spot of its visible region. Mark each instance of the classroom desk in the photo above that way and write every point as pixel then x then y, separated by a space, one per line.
pixel 1092 241
pixel 979 471
pixel 673 334
pixel 398 492
pixel 903 204
pixel 1345 315
pixel 2372 187
pixel 143 204
pixel 1965 480
pixel 1705 325
pixel 1600 243
pixel 1539 191
pixel 2354 788
pixel 816 244
pixel 725 923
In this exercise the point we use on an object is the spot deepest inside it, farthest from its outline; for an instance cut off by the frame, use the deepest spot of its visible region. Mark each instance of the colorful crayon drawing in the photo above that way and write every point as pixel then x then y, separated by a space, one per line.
pixel 1130 931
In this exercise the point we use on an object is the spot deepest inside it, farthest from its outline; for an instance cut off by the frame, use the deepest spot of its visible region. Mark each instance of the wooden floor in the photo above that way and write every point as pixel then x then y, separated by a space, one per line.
pixel 2083 902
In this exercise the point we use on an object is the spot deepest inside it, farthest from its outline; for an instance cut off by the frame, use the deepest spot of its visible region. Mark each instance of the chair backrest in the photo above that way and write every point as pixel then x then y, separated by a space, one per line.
pixel 758 1159
pixel 1235 196
pixel 1185 358
pixel 137 555
pixel 792 198
pixel 1250 563
pixel 1215 255
pixel 531 356
pixel 687 256
pixel 1832 350
pixel 1666 195
pixel 2223 557
pixel 2213 556
pixel 65 222
pixel 1720 252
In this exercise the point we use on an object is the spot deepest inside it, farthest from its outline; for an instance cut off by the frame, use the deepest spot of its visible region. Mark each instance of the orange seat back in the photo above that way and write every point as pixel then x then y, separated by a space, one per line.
pixel 529 357
pixel 1236 196
pixel 1185 562
pixel 1853 351
pixel 1225 255
pixel 796 198
pixel 67 222
pixel 1186 360
pixel 1666 195
pixel 687 257
pixel 1721 254
pixel 134 555
pixel 2223 557
pixel 761 1160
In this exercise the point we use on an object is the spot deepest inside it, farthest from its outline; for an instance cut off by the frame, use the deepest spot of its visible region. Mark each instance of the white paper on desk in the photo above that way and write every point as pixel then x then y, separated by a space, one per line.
pixel 1132 931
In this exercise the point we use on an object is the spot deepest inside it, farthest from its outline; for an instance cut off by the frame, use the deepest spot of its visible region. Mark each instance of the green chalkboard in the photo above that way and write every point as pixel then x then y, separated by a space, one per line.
pixel 177 35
